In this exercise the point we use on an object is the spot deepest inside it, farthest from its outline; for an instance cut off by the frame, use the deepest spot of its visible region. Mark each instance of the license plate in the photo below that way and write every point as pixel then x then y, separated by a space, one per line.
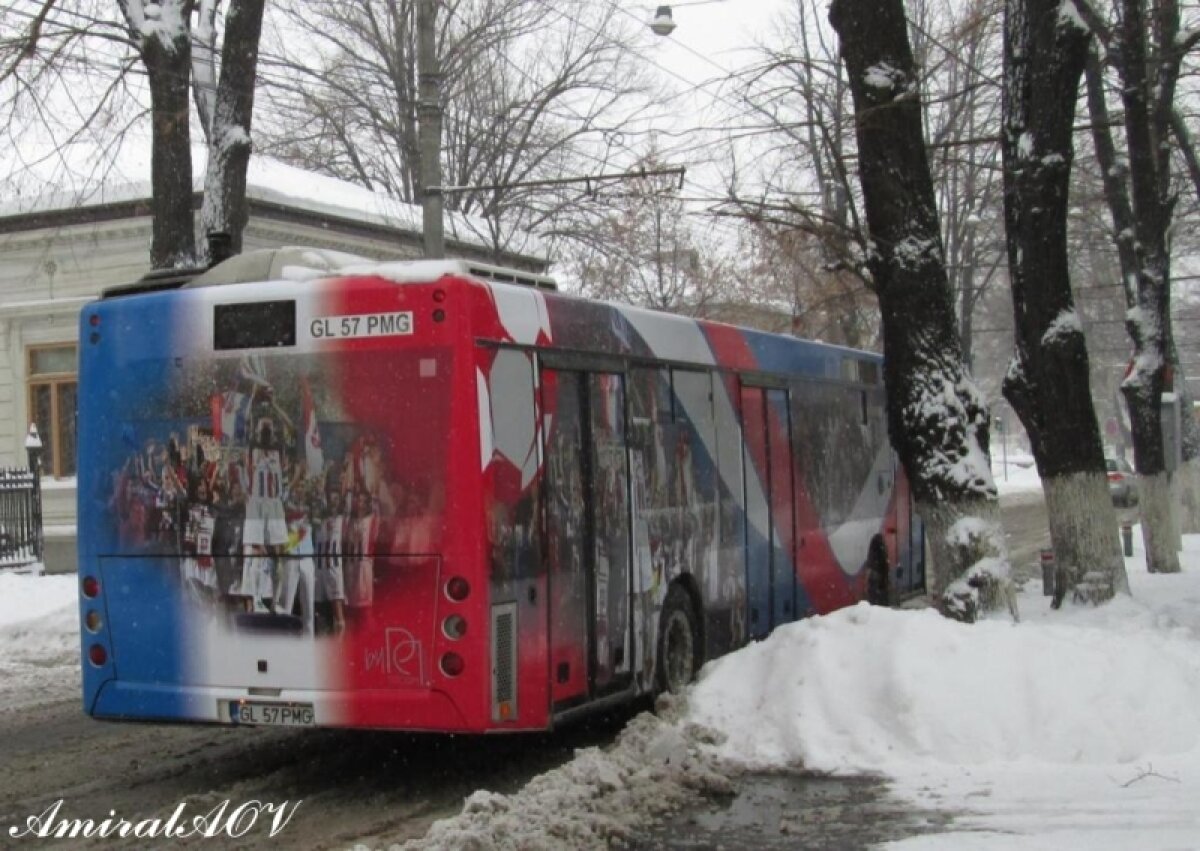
pixel 272 714
pixel 398 323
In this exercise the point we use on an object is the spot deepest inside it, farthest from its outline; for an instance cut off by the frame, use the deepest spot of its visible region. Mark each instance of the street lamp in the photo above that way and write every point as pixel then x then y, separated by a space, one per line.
pixel 663 23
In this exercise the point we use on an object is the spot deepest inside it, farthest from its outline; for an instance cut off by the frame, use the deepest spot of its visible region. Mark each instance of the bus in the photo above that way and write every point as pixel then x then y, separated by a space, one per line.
pixel 439 496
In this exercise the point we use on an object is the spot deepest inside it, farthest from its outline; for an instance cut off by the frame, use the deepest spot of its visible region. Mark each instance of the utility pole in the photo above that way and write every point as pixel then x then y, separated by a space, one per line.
pixel 967 304
pixel 429 115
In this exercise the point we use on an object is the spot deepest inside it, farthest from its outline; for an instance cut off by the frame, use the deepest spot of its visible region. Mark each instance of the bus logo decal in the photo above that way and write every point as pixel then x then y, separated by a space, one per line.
pixel 399 657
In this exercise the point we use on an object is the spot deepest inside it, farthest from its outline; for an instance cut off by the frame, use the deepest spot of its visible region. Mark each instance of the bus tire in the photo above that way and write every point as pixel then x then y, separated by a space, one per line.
pixel 879 579
pixel 679 648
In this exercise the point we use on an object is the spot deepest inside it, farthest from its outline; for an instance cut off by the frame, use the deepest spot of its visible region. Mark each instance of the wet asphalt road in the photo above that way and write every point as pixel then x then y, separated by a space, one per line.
pixel 379 788
pixel 796 810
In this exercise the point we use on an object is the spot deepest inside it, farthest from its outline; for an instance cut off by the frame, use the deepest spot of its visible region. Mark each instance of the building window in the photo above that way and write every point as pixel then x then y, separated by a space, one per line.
pixel 52 384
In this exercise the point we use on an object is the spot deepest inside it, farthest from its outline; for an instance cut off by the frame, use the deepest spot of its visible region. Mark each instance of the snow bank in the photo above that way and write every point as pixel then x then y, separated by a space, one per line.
pixel 1074 729
pixel 600 798
pixel 39 639
pixel 867 688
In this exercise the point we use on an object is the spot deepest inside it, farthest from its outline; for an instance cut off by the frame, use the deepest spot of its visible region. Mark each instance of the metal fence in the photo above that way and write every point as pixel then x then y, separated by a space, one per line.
pixel 20 518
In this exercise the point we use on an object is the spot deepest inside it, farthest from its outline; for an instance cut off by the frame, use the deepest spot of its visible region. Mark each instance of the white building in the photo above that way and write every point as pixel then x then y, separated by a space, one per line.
pixel 57 252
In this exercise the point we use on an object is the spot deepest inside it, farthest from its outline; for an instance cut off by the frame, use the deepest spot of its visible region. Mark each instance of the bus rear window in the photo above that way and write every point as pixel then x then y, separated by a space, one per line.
pixel 254 325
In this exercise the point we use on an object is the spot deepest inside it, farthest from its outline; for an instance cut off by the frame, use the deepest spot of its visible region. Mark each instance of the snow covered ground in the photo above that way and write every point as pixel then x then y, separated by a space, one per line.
pixel 1015 472
pixel 39 639
pixel 1075 729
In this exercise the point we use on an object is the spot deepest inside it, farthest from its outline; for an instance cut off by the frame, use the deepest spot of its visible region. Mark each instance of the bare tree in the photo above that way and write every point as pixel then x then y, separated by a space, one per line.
pixel 530 91
pixel 226 111
pixel 61 47
pixel 937 420
pixel 645 251
pixel 1048 382
pixel 797 193
pixel 161 33
pixel 962 79
pixel 790 270
pixel 1146 46
pixel 799 117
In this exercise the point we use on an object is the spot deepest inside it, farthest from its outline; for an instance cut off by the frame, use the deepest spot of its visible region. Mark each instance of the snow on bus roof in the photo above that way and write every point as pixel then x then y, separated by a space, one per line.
pixel 298 263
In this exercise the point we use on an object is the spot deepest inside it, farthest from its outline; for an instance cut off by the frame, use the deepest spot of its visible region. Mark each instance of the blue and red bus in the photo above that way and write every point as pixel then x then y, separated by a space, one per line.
pixel 437 496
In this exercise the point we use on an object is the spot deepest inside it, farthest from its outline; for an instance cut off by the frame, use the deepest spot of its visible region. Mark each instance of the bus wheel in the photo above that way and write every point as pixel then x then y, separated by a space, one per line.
pixel 678 642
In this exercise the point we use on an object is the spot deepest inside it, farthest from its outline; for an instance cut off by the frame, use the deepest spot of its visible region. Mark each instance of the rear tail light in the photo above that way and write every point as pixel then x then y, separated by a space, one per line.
pixel 91 587
pixel 452 664
pixel 454 627
pixel 97 655
pixel 457 589
pixel 1115 477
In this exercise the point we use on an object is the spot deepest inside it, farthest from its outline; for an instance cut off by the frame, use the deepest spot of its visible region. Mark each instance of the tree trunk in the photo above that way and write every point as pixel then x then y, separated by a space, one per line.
pixel 1187 477
pixel 1147 94
pixel 1048 383
pixel 168 66
pixel 936 417
pixel 229 144
pixel 1146 289
pixel 1187 498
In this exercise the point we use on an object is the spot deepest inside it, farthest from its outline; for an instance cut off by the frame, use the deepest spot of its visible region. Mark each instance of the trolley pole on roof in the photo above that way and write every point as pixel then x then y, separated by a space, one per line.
pixel 429 115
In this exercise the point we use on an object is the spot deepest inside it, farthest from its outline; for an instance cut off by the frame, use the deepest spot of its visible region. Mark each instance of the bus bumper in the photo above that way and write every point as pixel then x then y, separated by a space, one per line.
pixel 423 709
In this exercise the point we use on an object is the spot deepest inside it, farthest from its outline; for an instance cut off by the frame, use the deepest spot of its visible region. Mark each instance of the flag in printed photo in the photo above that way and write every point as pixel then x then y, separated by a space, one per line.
pixel 314 457
pixel 253 368
pixel 230 416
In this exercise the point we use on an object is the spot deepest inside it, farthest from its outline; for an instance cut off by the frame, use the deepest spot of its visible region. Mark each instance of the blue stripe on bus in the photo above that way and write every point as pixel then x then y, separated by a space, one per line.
pixel 121 360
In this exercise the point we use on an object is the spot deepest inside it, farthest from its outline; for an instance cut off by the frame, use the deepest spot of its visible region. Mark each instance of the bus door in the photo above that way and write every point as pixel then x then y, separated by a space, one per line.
pixel 900 525
pixel 770 573
pixel 910 541
pixel 587 527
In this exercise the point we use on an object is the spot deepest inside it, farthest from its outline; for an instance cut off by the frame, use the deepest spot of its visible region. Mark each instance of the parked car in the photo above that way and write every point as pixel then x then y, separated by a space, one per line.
pixel 1122 482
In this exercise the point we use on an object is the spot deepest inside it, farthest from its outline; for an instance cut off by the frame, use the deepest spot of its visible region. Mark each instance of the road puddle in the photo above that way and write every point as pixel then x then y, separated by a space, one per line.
pixel 789 810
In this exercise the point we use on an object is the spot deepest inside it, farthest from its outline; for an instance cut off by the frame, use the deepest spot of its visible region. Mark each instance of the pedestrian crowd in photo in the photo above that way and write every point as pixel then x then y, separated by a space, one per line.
pixel 268 531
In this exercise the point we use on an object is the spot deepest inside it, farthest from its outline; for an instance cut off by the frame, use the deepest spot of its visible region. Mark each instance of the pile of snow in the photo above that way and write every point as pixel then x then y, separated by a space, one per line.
pixel 39 639
pixel 871 689
pixel 1078 728
pixel 601 797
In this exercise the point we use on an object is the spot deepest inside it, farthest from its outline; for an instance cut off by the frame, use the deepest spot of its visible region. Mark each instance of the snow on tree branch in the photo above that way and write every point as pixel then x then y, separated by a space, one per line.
pixel 947 415
pixel 166 21
pixel 1064 327
pixel 1069 16
pixel 204 65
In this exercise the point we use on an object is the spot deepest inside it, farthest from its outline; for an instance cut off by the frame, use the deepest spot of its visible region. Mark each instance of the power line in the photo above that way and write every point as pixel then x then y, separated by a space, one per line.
pixel 561 181
pixel 693 86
